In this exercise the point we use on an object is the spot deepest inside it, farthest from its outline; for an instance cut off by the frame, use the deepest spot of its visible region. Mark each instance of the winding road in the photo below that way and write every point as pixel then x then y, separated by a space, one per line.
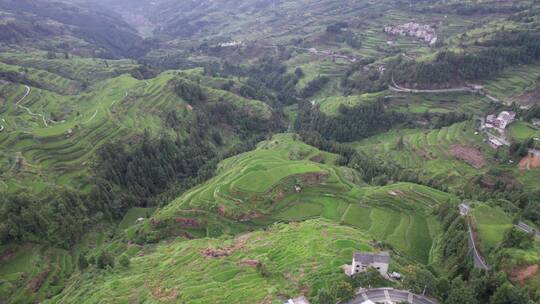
pixel 479 261
pixel 389 295
pixel 466 89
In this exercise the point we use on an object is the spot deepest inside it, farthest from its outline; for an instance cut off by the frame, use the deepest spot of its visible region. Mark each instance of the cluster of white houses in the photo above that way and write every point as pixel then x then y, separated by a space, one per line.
pixel 413 29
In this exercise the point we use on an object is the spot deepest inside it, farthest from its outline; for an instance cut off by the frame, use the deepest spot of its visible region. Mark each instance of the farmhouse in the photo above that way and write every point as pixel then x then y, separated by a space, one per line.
pixel 495 143
pixel 363 260
pixel 500 121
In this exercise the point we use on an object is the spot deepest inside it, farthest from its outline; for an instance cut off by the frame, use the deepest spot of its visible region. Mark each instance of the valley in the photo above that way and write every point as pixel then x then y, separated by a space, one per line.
pixel 178 151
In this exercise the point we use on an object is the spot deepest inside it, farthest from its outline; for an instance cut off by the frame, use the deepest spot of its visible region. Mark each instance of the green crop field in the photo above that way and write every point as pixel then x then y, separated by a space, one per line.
pixel 521 131
pixel 491 224
pixel 154 152
pixel 245 189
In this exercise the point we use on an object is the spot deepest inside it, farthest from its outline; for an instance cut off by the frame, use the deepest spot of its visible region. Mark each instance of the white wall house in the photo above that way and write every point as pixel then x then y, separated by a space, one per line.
pixel 363 260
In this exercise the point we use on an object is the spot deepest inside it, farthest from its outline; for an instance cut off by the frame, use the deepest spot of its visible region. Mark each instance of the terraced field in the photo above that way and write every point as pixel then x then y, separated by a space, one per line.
pixel 294 256
pixel 246 189
pixel 49 138
pixel 43 269
pixel 513 82
pixel 429 151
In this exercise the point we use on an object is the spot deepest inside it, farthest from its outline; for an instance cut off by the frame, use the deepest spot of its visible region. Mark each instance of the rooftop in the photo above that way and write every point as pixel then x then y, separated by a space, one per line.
pixel 370 258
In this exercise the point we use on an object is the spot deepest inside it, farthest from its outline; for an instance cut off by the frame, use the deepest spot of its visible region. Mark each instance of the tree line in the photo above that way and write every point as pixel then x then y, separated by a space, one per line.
pixel 486 60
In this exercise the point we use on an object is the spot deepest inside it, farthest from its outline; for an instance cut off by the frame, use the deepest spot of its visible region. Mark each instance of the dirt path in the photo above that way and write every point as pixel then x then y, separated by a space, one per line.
pixel 28 90
pixel 91 118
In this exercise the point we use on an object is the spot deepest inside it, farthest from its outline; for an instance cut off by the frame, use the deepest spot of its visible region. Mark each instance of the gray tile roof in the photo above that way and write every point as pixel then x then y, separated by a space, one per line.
pixel 370 258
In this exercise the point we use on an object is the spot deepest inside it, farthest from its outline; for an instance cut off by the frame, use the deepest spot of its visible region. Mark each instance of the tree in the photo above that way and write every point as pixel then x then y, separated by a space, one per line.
pixel 324 297
pixel 460 293
pixel 515 238
pixel 419 280
pixel 82 262
pixel 124 260
pixel 104 259
pixel 370 278
pixel 262 270
pixel 508 293
pixel 344 291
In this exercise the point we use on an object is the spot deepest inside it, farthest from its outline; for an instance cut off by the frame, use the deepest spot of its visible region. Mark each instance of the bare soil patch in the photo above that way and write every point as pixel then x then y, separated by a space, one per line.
pixel 239 244
pixel 470 155
pixel 522 274
pixel 529 98
pixel 312 179
pixel 529 162
pixel 249 263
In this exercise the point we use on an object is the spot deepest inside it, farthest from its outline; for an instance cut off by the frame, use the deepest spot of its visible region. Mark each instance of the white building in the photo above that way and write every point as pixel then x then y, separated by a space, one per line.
pixel 298 300
pixel 363 260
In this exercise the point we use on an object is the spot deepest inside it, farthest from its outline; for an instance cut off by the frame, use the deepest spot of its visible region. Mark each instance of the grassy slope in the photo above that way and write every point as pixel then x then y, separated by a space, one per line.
pixel 399 213
pixel 296 256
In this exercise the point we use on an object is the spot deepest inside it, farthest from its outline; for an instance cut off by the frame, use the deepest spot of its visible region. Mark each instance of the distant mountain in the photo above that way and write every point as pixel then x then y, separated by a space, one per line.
pixel 54 25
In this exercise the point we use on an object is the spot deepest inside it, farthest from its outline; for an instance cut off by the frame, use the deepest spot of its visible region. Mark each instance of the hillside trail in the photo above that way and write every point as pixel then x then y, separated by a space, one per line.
pixel 28 90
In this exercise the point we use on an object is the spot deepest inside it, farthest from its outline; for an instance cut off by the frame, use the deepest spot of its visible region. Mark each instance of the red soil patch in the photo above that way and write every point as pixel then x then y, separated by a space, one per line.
pixel 529 162
pixel 522 274
pixel 188 222
pixel 239 244
pixel 509 182
pixel 165 295
pixel 470 155
pixel 311 179
pixel 249 263
pixel 36 282
pixel 529 98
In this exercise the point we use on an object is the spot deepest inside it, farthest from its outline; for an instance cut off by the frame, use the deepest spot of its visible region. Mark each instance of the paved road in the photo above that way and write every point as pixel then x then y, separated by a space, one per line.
pixel 467 89
pixel 478 259
pixel 395 87
pixel 527 229
pixel 389 295
pixel 479 262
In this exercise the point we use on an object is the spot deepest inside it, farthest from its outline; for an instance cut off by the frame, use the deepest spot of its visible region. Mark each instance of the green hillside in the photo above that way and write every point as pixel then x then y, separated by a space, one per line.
pixel 239 151
pixel 287 180
pixel 294 256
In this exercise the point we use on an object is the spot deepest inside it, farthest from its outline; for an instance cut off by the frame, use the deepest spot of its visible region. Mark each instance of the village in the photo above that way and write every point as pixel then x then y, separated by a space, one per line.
pixel 412 29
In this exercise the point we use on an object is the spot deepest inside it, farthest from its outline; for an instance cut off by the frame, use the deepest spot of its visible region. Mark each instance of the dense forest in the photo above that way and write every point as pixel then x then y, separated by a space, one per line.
pixel 487 59
pixel 352 123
